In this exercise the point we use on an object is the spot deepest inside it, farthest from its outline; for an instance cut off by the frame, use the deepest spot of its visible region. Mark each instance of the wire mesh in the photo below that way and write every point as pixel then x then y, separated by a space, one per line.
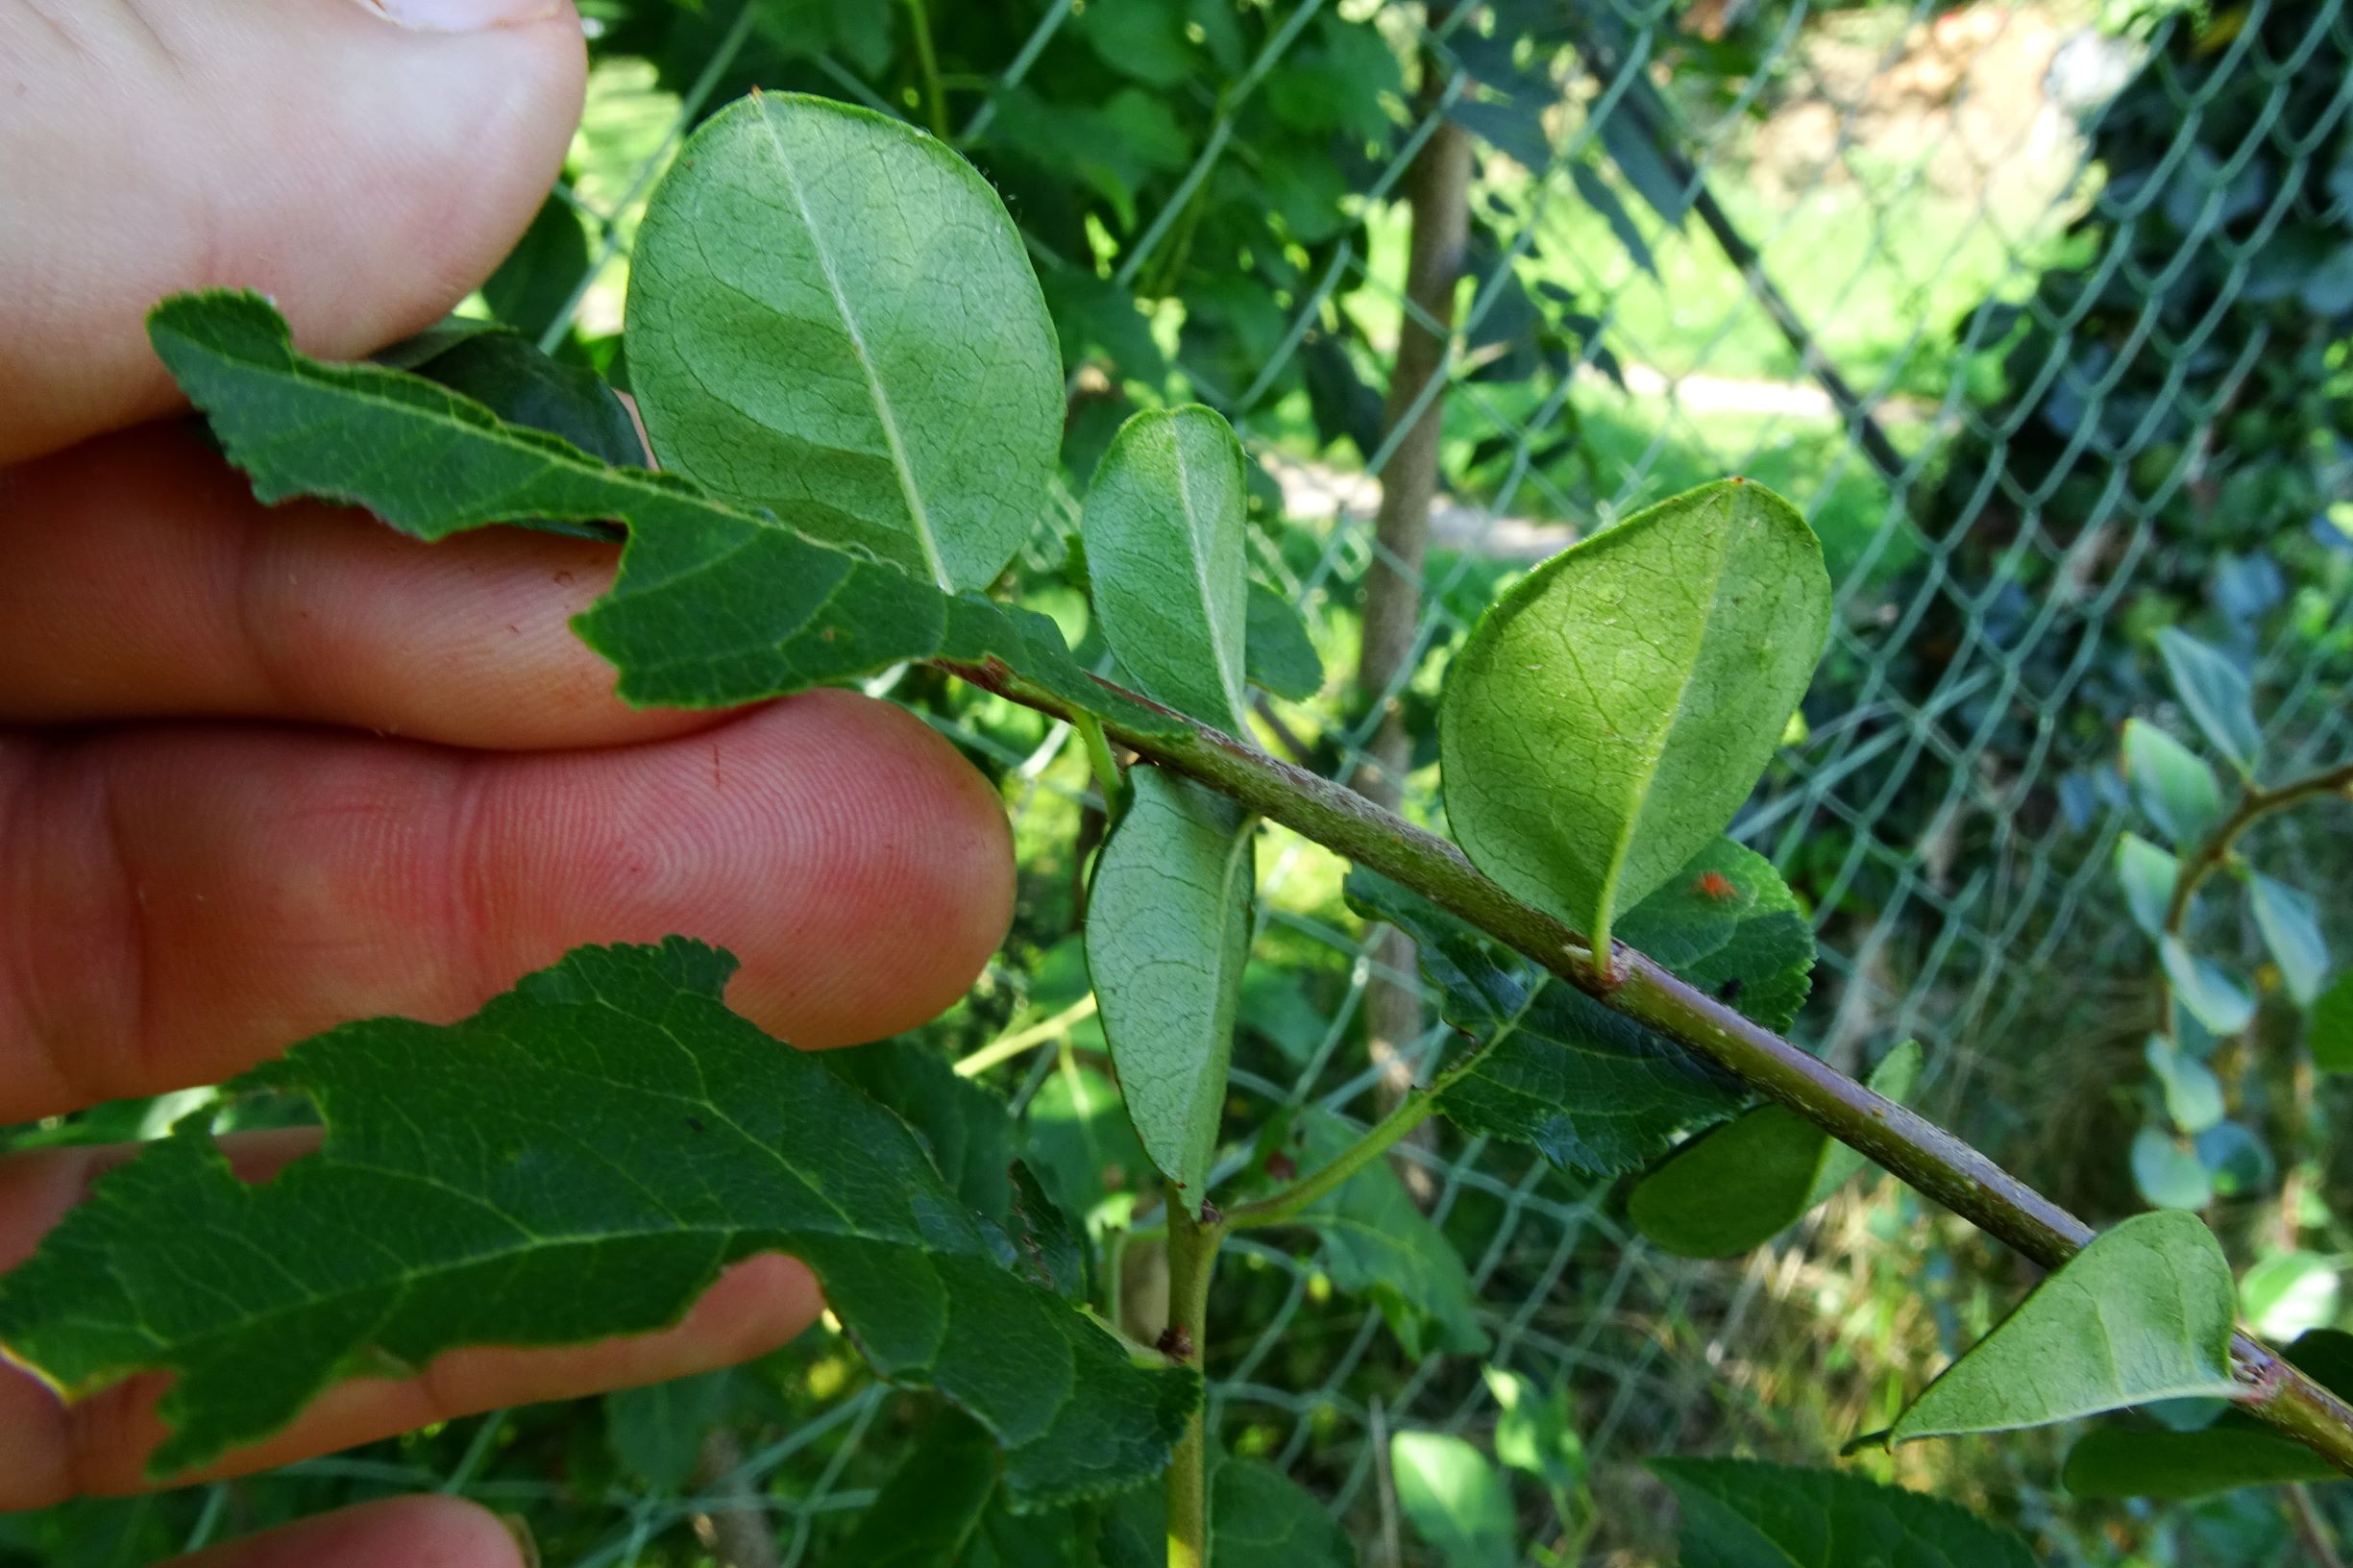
pixel 1882 172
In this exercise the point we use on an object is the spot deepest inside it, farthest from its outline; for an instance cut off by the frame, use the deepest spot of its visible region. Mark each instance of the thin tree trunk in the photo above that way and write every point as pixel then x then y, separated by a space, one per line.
pixel 1438 196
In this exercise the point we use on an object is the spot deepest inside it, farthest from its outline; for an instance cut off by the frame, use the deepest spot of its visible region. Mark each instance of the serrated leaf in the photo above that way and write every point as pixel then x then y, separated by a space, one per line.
pixel 1167 936
pixel 1730 1190
pixel 657 1431
pixel 1692 913
pixel 932 1503
pixel 2205 988
pixel 1455 1499
pixel 2217 695
pixel 831 315
pixel 1609 713
pixel 2292 930
pixel 2145 1313
pixel 1162 525
pixel 1589 1089
pixel 1279 655
pixel 2148 875
pixel 1535 1431
pixel 447 1208
pixel 1377 1242
pixel 714 606
pixel 2192 1094
pixel 1738 1513
pixel 966 1129
pixel 2172 784
pixel 2330 1031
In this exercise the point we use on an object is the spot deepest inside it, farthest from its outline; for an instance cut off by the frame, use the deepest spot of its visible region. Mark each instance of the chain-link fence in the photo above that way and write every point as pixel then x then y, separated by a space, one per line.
pixel 1993 295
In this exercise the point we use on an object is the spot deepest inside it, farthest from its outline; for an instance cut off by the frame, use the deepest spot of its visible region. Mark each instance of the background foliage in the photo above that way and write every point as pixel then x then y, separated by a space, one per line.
pixel 2042 317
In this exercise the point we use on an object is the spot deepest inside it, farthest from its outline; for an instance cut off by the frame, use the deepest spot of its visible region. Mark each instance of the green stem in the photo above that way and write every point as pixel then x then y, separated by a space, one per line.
pixel 1192 1258
pixel 1908 1145
pixel 1416 1107
pixel 1006 1047
pixel 935 98
pixel 1098 757
pixel 2214 851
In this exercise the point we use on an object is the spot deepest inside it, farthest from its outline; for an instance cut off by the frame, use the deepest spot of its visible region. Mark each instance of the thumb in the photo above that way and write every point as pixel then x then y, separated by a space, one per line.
pixel 364 164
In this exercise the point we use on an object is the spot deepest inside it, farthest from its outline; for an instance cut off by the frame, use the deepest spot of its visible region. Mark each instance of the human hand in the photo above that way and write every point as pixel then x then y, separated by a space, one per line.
pixel 267 769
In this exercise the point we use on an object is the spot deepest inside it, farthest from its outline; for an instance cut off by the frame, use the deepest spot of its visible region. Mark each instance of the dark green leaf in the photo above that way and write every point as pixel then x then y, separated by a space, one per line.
pixel 1455 1499
pixel 2174 785
pixel 2183 1466
pixel 656 1432
pixel 2216 694
pixel 2142 1313
pixel 1692 913
pixel 1730 1190
pixel 714 606
pixel 1378 1243
pixel 932 1505
pixel 508 375
pixel 831 315
pixel 1163 533
pixel 1609 713
pixel 1279 654
pixel 541 274
pixel 2331 1029
pixel 965 1128
pixel 2148 875
pixel 1588 1088
pixel 1259 1518
pixel 1047 1247
pixel 448 1208
pixel 1167 936
pixel 1738 1513
pixel 2290 928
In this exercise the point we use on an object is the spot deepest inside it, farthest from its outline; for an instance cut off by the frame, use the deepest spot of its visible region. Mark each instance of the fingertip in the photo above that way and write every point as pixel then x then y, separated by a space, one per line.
pixel 397 1533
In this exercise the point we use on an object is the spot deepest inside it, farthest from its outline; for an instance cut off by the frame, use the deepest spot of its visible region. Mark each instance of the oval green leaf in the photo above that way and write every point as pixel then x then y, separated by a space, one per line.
pixel 2142 1313
pixel 1167 937
pixel 1455 1499
pixel 1162 528
pixel 2291 929
pixel 2171 782
pixel 1611 713
pixel 2205 988
pixel 2216 694
pixel 2148 875
pixel 831 315
pixel 1279 655
pixel 1732 1189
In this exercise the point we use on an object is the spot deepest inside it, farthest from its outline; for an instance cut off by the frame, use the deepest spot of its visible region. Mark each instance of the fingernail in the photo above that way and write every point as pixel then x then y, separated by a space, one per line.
pixel 463 15
pixel 520 1528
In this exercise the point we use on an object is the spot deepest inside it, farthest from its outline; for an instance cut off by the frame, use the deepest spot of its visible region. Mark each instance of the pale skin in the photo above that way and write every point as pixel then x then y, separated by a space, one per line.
pixel 264 771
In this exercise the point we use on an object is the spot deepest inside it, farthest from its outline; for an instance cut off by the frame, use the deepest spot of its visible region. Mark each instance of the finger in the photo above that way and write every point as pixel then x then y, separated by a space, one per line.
pixel 364 175
pixel 141 579
pixel 178 903
pixel 397 1533
pixel 100 1446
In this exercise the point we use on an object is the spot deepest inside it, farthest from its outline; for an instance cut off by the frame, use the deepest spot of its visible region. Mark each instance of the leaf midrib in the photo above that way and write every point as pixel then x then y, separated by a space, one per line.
pixel 1196 551
pixel 918 513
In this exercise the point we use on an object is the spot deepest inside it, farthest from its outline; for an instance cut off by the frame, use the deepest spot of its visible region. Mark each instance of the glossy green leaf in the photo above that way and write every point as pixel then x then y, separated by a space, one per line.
pixel 2183 1466
pixel 2330 1030
pixel 2291 929
pixel 1279 655
pixel 2192 1094
pixel 714 606
pixel 1534 1429
pixel 2148 875
pixel 1455 1499
pixel 1377 1242
pixel 656 1432
pixel 1589 1089
pixel 2145 1313
pixel 831 315
pixel 448 1208
pixel 2216 694
pixel 1611 713
pixel 1730 1190
pixel 1167 936
pixel 2205 988
pixel 1163 527
pixel 1738 1513
pixel 2172 783
pixel 2168 1175
pixel 931 1505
